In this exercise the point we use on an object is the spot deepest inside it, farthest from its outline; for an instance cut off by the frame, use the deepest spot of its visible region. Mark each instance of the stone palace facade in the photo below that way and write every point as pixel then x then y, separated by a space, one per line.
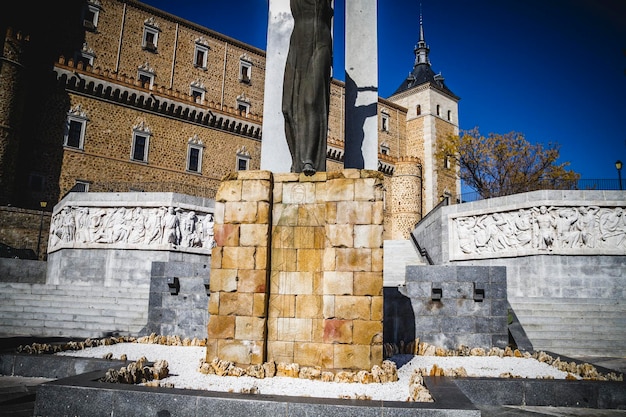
pixel 118 96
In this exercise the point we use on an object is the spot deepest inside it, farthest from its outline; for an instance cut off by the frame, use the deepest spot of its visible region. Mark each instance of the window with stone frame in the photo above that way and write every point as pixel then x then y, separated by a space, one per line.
pixel 243 108
pixel 146 78
pixel 197 91
pixel 80 186
pixel 245 71
pixel 86 55
pixel 195 149
pixel 201 53
pixel 150 35
pixel 141 143
pixel 243 163
pixel 75 127
pixel 243 159
pixel 384 122
pixel 91 13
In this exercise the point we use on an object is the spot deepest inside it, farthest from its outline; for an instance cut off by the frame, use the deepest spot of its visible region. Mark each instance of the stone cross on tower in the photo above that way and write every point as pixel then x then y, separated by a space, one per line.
pixel 361 91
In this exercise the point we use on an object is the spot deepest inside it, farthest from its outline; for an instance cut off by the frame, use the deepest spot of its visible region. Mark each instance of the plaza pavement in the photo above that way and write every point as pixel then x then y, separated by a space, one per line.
pixel 17 394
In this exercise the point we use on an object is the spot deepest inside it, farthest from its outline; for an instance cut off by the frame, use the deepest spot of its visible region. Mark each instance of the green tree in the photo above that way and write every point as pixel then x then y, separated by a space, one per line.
pixel 503 164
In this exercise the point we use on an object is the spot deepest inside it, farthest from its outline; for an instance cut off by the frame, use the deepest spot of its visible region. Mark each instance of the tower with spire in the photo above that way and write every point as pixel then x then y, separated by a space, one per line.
pixel 432 115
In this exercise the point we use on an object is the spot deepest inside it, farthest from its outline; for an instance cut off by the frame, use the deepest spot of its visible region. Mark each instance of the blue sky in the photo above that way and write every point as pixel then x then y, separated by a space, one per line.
pixel 551 69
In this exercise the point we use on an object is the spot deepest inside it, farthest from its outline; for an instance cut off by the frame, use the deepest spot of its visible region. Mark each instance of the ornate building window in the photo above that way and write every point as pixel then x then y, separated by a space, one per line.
pixel 418 109
pixel 80 186
pixel 438 110
pixel 75 127
pixel 384 148
pixel 146 75
pixel 384 121
pixel 449 114
pixel 243 159
pixel 197 91
pixel 150 35
pixel 85 55
pixel 243 104
pixel 201 53
pixel 245 69
pixel 91 12
pixel 195 149
pixel 141 143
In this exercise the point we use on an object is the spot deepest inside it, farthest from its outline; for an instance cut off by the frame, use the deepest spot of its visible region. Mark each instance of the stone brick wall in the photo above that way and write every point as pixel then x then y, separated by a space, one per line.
pixel 446 177
pixel 106 157
pixel 20 228
pixel 319 301
pixel 459 305
pixel 173 60
pixel 239 269
pixel 178 299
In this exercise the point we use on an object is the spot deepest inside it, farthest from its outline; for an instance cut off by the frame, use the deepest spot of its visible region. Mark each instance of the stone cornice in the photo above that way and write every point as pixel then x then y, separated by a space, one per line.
pixel 423 87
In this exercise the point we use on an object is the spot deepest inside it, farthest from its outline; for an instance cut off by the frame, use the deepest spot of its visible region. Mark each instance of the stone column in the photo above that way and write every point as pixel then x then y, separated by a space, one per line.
pixel 297 276
pixel 275 155
pixel 361 62
pixel 326 280
pixel 239 266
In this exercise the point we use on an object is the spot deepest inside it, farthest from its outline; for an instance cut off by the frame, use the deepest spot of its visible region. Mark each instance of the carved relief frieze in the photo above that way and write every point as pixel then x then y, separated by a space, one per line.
pixel 539 230
pixel 159 228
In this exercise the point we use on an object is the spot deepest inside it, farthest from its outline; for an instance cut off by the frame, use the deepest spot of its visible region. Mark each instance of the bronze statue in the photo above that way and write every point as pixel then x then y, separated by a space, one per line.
pixel 306 87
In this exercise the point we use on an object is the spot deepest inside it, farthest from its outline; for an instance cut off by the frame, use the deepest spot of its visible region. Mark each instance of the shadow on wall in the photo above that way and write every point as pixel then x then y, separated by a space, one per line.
pixel 399 318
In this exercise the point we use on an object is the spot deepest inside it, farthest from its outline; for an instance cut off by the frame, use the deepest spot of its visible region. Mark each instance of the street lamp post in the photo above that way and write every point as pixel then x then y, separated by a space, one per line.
pixel 43 205
pixel 618 165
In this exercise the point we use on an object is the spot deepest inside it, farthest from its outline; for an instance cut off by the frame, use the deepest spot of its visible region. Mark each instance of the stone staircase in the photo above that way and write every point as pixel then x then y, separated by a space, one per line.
pixel 574 326
pixel 79 310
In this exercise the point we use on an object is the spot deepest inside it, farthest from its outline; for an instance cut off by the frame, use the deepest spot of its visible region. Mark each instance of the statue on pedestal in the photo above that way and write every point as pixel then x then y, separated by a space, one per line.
pixel 306 88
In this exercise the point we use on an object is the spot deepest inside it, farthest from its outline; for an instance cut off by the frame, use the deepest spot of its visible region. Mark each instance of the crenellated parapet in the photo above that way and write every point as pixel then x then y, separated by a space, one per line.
pixel 129 91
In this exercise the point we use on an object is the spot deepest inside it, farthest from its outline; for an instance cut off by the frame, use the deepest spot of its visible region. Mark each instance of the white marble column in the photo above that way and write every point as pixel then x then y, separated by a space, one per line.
pixel 361 61
pixel 275 155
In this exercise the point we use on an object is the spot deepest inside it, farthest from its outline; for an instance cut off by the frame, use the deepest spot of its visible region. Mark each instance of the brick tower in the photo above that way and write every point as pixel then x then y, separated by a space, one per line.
pixel 432 115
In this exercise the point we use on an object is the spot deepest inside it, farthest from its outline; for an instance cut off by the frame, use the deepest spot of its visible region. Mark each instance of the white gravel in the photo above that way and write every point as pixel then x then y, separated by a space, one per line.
pixel 184 362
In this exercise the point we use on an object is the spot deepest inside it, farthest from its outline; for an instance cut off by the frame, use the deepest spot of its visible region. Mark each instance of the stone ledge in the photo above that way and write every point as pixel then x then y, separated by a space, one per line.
pixel 84 395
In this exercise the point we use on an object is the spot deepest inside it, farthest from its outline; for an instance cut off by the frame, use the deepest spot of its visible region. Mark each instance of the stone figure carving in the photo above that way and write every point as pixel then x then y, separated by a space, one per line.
pixel 138 227
pixel 542 229
pixel 306 87
pixel 82 220
pixel 208 232
pixel 613 227
pixel 67 225
pixel 545 224
pixel 154 226
pixel 135 227
pixel 171 227
pixel 586 226
pixel 189 231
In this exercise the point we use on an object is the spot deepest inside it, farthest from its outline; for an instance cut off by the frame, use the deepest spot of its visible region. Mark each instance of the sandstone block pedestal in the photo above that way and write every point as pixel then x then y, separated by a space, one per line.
pixel 297 276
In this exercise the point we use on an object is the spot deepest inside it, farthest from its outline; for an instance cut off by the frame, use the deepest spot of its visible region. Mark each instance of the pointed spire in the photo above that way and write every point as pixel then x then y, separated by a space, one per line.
pixel 421 49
